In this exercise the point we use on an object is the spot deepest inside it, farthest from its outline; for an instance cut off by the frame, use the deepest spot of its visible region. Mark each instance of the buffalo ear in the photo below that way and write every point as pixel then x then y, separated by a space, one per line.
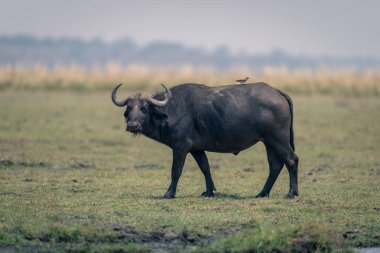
pixel 159 118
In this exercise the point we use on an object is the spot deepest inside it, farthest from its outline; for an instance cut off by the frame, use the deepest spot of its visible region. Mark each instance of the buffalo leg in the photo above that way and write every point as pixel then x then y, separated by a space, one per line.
pixel 275 167
pixel 177 166
pixel 292 165
pixel 202 161
pixel 290 159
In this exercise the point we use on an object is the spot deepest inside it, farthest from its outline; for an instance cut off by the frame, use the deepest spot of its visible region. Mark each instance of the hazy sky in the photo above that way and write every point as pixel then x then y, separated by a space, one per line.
pixel 328 27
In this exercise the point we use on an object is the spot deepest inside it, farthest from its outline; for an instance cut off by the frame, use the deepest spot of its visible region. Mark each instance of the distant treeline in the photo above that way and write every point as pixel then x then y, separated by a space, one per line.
pixel 28 51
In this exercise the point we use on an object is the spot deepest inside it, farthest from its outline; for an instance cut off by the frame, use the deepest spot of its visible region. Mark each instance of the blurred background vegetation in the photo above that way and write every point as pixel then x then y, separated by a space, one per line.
pixel 145 78
pixel 27 63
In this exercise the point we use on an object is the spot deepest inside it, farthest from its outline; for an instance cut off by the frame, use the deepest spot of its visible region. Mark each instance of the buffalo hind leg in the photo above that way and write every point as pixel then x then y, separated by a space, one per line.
pixel 292 165
pixel 290 159
pixel 275 167
pixel 202 161
pixel 177 166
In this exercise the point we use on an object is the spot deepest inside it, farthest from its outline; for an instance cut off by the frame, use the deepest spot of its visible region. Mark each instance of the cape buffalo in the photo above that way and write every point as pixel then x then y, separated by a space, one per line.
pixel 194 118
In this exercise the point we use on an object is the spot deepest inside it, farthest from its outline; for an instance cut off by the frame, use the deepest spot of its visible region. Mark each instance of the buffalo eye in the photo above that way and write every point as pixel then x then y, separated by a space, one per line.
pixel 127 112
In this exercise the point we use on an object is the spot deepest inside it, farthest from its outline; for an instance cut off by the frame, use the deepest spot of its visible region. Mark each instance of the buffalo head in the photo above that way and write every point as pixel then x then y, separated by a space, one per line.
pixel 142 110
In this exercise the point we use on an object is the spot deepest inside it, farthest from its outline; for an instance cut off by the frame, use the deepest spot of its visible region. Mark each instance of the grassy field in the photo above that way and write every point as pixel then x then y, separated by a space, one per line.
pixel 72 179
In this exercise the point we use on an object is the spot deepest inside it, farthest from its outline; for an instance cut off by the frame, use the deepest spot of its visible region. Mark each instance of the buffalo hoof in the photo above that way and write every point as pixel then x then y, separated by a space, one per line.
pixel 208 194
pixel 291 195
pixel 262 195
pixel 169 195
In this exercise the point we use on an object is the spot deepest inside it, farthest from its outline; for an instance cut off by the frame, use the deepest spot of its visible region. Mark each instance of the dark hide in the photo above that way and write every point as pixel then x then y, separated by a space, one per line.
pixel 225 119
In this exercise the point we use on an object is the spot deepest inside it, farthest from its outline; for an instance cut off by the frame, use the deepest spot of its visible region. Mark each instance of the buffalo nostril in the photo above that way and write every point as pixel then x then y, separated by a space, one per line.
pixel 132 124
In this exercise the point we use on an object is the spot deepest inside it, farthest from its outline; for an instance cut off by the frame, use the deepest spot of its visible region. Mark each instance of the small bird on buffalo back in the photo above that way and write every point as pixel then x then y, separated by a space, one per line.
pixel 242 81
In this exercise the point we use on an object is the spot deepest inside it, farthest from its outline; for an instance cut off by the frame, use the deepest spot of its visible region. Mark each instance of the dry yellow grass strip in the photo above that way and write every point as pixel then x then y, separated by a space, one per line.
pixel 139 77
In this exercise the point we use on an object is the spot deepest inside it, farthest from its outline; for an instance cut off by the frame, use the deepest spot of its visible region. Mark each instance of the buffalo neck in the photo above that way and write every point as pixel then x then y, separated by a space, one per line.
pixel 156 132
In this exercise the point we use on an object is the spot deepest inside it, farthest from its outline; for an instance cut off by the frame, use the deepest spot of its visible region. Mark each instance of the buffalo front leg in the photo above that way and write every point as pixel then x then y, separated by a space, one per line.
pixel 177 166
pixel 202 161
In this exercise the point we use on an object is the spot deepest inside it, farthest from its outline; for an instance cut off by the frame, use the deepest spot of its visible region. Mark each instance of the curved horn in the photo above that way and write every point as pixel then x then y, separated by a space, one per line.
pixel 114 99
pixel 156 102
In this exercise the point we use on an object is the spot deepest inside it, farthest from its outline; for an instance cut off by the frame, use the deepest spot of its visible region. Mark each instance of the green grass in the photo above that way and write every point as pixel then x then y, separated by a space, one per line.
pixel 72 179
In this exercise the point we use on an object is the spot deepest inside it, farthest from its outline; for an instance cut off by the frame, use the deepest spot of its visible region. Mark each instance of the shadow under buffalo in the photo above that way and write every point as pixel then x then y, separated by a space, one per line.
pixel 216 196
